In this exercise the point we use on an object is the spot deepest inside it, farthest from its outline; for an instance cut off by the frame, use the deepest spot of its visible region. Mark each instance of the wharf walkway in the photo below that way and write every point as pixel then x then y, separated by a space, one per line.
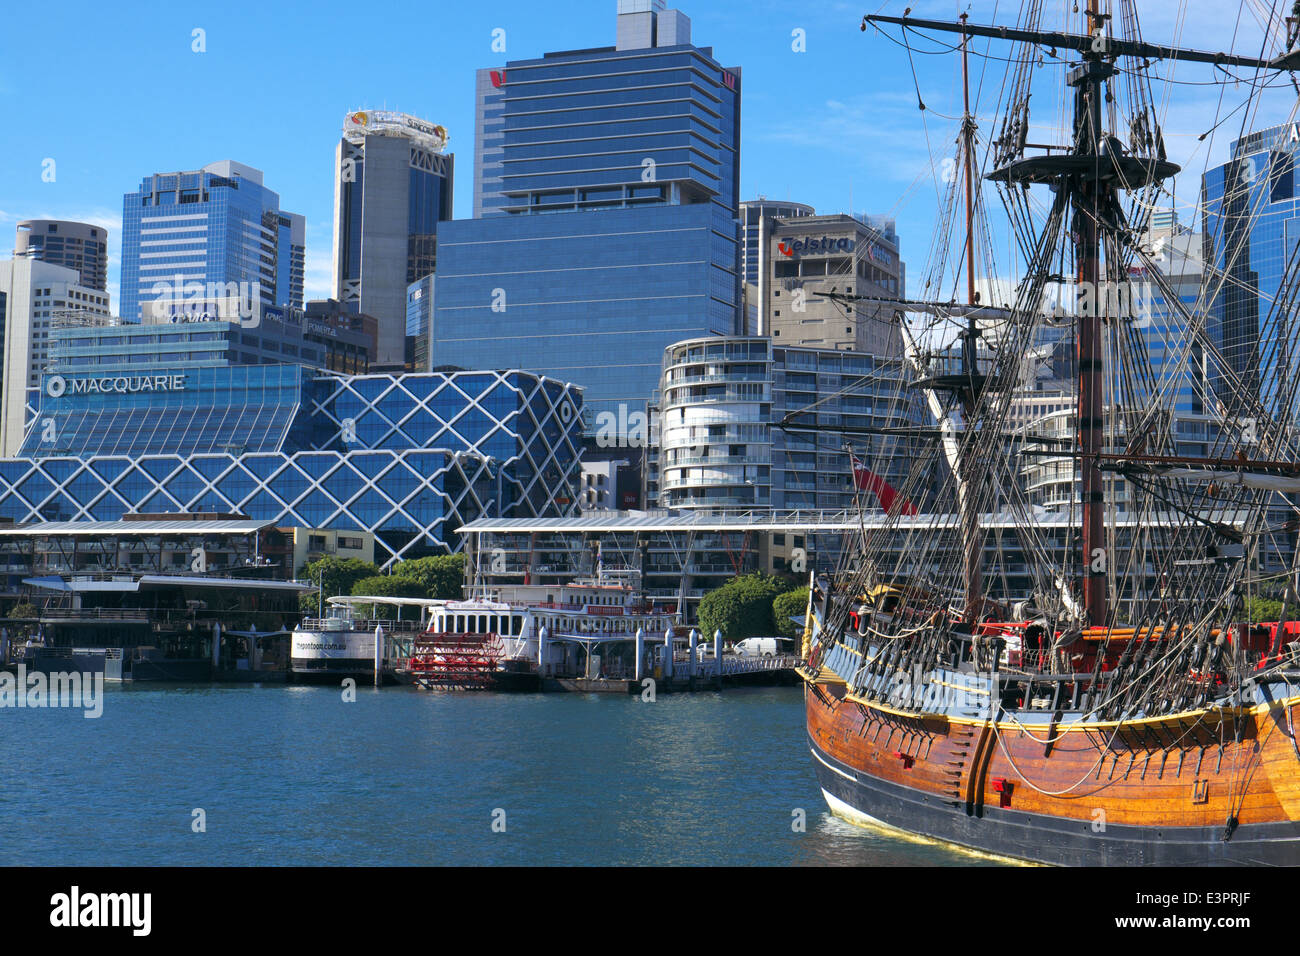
pixel 710 674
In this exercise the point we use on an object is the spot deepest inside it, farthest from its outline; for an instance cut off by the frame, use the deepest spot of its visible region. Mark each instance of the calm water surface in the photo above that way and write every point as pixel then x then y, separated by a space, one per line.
pixel 294 775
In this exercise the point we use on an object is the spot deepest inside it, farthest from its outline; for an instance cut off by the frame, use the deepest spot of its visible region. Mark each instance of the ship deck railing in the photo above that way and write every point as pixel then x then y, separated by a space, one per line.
pixel 94 614
pixel 321 624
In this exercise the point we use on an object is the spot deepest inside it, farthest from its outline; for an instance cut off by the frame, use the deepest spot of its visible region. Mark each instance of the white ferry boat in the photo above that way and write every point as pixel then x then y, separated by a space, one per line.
pixel 342 644
pixel 515 636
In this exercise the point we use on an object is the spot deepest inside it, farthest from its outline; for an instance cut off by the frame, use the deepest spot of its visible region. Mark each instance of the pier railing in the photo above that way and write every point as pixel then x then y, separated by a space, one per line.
pixel 736 665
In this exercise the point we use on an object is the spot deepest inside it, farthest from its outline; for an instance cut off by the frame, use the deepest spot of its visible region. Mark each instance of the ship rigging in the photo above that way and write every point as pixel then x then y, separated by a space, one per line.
pixel 1134 658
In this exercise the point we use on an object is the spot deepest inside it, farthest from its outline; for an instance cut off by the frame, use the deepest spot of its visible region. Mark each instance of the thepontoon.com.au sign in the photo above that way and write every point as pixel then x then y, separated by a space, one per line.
pixel 56 385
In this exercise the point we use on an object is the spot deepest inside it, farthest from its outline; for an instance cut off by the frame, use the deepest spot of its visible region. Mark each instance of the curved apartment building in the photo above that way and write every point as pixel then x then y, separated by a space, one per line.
pixel 720 444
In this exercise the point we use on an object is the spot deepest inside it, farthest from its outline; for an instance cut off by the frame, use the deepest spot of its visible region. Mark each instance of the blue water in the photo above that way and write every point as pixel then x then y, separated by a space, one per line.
pixel 295 775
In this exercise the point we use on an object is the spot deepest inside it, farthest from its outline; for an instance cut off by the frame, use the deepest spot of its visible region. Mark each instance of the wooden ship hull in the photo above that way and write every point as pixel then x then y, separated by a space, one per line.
pixel 1213 787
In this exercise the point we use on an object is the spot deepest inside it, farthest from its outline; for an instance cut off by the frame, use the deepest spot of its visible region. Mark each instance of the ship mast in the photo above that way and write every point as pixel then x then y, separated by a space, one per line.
pixel 1085 175
pixel 1091 196
pixel 970 505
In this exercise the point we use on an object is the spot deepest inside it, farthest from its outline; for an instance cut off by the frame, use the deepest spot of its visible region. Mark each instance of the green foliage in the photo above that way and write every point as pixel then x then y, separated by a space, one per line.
pixel 23 609
pixel 440 575
pixel 336 575
pixel 741 608
pixel 385 585
pixel 789 605
pixel 1264 609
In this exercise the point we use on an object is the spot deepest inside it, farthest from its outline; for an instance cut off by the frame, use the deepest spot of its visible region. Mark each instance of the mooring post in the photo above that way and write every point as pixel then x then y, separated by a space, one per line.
pixel 542 637
pixel 717 653
pixel 216 645
pixel 693 667
pixel 668 657
pixel 379 654
pixel 640 653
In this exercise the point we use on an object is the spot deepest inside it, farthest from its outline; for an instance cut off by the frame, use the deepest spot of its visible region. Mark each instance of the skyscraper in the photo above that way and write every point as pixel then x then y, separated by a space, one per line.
pixel 803 257
pixel 34 295
pixel 611 229
pixel 77 245
pixel 1251 229
pixel 393 185
pixel 211 240
pixel 489 135
pixel 1177 358
pixel 752 218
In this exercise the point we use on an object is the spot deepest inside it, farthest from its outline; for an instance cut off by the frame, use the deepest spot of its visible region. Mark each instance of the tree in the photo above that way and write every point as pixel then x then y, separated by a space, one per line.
pixel 1259 609
pixel 741 608
pixel 335 575
pixel 441 575
pixel 385 585
pixel 23 609
pixel 786 606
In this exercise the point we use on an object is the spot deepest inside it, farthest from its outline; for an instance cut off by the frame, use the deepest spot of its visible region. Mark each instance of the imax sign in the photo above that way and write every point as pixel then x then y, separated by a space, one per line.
pixel 56 386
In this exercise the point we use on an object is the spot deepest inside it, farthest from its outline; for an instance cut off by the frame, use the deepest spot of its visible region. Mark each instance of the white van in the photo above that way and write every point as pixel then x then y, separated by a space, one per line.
pixel 762 646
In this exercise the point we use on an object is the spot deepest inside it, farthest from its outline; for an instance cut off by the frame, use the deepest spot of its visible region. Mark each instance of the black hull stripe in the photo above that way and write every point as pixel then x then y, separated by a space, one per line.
pixel 1044 839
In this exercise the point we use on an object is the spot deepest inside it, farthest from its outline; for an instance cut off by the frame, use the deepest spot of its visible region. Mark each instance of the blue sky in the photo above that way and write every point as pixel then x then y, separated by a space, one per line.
pixel 115 92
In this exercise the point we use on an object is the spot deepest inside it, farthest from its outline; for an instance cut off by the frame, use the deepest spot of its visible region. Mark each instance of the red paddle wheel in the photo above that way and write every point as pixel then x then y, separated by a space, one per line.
pixel 455 661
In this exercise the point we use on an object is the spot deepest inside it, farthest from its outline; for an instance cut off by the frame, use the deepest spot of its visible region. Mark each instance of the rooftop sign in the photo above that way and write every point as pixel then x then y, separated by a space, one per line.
pixel 356 126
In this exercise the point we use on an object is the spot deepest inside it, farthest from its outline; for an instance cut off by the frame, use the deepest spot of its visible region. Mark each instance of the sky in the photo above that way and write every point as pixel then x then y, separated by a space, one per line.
pixel 112 93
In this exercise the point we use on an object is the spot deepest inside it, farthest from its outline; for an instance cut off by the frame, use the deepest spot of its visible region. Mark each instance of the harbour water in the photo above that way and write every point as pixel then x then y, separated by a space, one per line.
pixel 297 776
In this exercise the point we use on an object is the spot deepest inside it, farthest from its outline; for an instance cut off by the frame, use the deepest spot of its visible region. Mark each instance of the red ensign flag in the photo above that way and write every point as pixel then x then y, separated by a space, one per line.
pixel 889 499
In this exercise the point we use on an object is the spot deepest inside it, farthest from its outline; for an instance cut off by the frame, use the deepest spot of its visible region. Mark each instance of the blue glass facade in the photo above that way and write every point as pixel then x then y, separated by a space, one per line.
pixel 245 408
pixel 610 231
pixel 419 320
pixel 1251 228
pixel 1176 358
pixel 129 347
pixel 409 457
pixel 206 235
pixel 488 135
pixel 601 128
pixel 592 299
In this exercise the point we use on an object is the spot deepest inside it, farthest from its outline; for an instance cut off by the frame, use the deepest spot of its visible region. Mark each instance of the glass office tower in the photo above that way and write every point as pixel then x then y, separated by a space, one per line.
pixel 393 186
pixel 211 240
pixel 489 134
pixel 610 229
pixel 1251 228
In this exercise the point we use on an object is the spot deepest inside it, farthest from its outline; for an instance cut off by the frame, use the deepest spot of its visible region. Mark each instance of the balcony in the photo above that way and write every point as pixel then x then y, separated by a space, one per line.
pixel 719 460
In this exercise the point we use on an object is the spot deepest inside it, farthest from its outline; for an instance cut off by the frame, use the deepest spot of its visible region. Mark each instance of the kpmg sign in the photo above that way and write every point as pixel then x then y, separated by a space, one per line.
pixel 56 386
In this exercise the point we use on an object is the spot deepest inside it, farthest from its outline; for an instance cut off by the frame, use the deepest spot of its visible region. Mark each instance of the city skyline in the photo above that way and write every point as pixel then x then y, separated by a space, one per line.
pixel 841 153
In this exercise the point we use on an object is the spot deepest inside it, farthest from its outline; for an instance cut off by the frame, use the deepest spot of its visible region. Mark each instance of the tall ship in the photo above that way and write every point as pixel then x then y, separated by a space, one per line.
pixel 1137 702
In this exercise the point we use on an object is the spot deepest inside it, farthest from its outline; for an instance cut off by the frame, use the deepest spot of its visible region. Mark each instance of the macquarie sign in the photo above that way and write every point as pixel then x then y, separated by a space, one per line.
pixel 56 386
